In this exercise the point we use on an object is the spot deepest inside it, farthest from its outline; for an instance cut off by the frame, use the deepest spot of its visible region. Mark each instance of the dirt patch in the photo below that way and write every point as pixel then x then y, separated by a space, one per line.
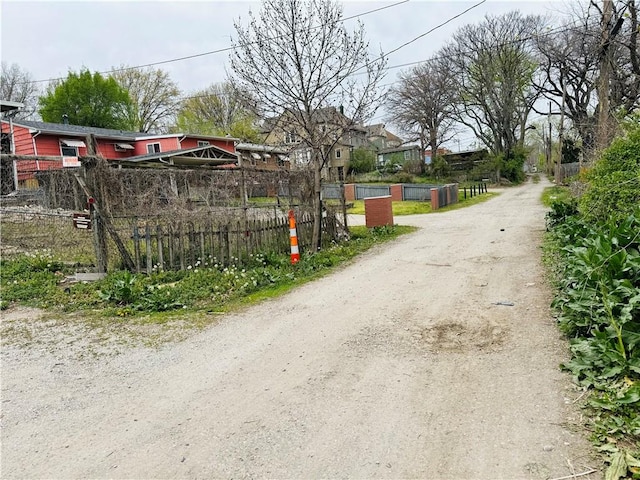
pixel 459 337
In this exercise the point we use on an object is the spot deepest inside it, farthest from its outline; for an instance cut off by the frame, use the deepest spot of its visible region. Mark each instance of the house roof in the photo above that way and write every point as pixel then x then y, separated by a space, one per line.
pixel 324 115
pixel 79 130
pixel 254 147
pixel 379 130
pixel 466 153
pixel 402 148
pixel 209 155
pixel 207 137
pixel 7 106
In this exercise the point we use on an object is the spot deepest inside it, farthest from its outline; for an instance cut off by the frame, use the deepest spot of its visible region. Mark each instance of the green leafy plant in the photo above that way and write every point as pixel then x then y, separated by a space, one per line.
pixel 597 276
pixel 31 279
pixel 560 211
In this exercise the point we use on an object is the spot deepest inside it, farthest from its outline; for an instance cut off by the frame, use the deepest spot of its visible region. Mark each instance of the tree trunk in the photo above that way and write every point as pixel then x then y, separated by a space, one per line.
pixel 423 148
pixel 316 241
pixel 433 144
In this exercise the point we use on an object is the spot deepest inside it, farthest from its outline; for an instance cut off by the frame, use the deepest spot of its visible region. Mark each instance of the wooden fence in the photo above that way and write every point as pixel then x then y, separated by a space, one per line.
pixel 186 245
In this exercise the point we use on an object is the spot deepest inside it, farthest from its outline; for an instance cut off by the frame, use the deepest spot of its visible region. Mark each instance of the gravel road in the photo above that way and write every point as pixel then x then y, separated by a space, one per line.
pixel 401 365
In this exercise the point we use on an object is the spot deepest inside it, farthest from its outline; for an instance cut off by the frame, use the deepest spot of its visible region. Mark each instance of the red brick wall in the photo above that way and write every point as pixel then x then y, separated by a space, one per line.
pixel 378 211
pixel 396 193
pixel 349 192
pixel 434 199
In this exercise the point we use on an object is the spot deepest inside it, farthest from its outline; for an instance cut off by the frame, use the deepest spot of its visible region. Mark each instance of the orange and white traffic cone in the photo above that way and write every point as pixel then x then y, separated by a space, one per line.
pixel 295 253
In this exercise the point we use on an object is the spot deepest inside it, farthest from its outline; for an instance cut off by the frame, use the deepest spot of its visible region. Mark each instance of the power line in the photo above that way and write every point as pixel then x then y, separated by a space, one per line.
pixel 431 30
pixel 436 57
pixel 436 27
pixel 221 50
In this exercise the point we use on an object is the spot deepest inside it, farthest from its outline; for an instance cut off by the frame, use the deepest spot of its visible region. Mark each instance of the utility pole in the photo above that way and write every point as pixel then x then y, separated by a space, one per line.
pixel 604 116
pixel 561 131
pixel 548 144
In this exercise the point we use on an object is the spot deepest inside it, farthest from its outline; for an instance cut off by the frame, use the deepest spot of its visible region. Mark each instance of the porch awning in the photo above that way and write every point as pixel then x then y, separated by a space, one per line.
pixel 72 143
pixel 256 156
pixel 266 155
pixel 125 146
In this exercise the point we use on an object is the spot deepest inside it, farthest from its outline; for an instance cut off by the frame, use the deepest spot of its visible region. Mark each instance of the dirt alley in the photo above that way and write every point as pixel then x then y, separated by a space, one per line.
pixel 400 365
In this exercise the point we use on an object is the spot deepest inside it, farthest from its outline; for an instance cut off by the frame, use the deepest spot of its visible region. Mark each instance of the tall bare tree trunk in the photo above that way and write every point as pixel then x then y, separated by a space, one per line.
pixel 316 242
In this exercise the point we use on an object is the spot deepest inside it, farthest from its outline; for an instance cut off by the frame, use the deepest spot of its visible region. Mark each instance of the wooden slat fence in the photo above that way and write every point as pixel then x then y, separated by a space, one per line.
pixel 184 245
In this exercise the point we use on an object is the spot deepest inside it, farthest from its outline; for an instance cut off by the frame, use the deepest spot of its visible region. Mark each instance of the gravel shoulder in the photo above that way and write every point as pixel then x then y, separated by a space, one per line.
pixel 400 365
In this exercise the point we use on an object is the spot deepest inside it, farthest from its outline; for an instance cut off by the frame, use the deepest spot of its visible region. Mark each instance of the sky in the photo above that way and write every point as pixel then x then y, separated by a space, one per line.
pixel 50 38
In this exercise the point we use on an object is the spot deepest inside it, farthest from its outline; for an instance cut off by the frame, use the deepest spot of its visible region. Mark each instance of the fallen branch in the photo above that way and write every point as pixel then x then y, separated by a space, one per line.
pixel 581 395
pixel 576 475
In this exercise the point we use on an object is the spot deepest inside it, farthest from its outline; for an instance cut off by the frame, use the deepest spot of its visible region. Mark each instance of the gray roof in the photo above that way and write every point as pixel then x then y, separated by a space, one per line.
pixel 402 148
pixel 197 156
pixel 7 106
pixel 254 147
pixel 76 130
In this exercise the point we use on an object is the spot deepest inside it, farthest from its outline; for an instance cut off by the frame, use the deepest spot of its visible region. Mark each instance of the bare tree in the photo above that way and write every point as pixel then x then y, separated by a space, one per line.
pixel 423 105
pixel 569 69
pixel 218 110
pixel 17 85
pixel 153 94
pixel 297 59
pixel 493 66
pixel 572 61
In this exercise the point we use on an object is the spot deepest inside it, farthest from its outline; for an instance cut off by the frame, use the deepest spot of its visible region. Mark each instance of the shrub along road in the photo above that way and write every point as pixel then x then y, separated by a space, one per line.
pixel 435 356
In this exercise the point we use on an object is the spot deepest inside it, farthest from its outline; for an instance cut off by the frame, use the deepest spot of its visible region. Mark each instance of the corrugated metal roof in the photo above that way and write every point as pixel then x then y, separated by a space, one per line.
pixel 65 129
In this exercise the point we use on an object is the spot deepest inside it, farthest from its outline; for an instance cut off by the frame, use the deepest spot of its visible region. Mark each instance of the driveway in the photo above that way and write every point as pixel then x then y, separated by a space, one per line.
pixel 435 356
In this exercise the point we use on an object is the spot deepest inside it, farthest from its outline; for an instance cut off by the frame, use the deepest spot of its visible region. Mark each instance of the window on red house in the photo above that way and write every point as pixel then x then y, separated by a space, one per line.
pixel 69 151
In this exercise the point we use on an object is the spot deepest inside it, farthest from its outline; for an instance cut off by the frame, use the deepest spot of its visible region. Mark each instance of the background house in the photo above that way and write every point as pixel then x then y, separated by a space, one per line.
pixel 381 138
pixel 396 157
pixel 263 157
pixel 38 146
pixel 341 137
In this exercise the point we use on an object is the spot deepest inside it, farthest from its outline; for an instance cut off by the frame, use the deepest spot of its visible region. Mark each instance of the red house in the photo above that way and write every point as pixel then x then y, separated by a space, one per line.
pixel 37 146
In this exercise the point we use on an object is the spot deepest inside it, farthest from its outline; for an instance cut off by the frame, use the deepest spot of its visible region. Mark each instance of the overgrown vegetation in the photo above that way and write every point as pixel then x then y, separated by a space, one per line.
pixel 35 280
pixel 593 249
pixel 614 181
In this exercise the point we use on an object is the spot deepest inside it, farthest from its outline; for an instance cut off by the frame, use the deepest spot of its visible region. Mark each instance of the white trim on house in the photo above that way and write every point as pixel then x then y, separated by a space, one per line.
pixel 72 143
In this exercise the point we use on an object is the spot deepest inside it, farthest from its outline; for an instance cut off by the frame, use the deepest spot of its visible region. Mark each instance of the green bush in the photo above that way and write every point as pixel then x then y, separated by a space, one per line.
pixel 597 275
pixel 613 189
pixel 362 161
pixel 511 164
pixel 561 211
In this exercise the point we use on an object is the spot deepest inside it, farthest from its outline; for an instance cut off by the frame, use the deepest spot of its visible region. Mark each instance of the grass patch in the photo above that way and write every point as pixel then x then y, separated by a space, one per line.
pixel 418 208
pixel 468 202
pixel 399 208
pixel 556 194
pixel 127 299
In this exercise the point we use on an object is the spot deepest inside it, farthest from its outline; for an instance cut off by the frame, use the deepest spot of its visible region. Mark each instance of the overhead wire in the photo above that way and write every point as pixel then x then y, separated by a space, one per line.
pixel 221 50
